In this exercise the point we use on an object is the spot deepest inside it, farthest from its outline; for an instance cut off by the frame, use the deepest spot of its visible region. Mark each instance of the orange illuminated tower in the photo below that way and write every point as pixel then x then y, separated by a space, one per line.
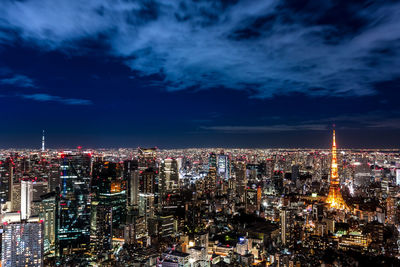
pixel 335 199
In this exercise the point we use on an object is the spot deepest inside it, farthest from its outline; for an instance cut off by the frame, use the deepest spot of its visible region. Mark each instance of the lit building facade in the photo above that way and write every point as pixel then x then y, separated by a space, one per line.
pixel 74 206
pixel 22 244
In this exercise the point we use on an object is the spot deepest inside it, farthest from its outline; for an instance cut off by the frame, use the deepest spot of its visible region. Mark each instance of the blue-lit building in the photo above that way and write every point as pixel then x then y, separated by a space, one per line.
pixel 73 238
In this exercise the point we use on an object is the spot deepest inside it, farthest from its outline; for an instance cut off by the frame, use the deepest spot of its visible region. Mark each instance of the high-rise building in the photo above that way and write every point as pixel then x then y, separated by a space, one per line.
pixel 131 176
pixel 286 222
pixel 132 227
pixel 224 169
pixel 253 200
pixel 49 214
pixel 398 176
pixel 241 178
pixel 169 177
pixel 26 199
pixel 6 180
pixel 101 228
pixel 108 189
pixel 22 244
pixel 54 175
pixel 74 212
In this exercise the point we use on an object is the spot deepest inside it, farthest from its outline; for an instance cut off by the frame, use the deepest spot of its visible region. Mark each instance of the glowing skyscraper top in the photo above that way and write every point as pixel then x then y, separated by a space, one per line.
pixel 335 199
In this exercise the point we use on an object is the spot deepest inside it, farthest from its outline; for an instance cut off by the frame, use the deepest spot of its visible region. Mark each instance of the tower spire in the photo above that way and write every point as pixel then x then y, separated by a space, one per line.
pixel 43 148
pixel 335 199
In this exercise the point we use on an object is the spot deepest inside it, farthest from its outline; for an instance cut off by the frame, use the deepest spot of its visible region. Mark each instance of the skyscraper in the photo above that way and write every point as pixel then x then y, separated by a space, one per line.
pixel 169 178
pixel 49 214
pixel 6 180
pixel 335 199
pixel 108 195
pixel 74 219
pixel 101 228
pixel 22 244
pixel 224 166
pixel 26 199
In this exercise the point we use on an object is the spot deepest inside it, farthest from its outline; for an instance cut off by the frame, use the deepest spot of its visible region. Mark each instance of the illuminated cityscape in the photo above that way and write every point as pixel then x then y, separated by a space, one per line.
pixel 199 133
pixel 200 207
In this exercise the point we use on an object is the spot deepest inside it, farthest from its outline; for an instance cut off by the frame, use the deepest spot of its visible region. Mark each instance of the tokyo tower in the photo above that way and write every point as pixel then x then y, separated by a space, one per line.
pixel 335 199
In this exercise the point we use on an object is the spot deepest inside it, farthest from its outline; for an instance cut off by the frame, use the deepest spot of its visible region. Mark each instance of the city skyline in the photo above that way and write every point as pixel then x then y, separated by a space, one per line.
pixel 199 133
pixel 199 74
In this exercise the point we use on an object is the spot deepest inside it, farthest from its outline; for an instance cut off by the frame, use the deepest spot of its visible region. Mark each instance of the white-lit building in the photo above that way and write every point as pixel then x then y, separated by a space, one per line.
pixel 26 199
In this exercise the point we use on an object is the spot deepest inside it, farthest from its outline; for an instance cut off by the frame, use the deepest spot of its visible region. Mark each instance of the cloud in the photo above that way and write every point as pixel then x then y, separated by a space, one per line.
pixel 354 121
pixel 335 48
pixel 267 129
pixel 52 98
pixel 18 80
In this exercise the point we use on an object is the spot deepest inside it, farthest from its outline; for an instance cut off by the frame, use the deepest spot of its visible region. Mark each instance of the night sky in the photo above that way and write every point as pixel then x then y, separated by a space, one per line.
pixel 200 73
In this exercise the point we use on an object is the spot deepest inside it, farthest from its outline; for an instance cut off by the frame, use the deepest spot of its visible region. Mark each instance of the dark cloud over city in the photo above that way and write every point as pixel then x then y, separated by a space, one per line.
pixel 252 54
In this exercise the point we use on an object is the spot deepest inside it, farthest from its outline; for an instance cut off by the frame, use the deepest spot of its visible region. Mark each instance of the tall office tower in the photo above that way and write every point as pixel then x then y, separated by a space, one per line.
pixel 211 180
pixel 286 223
pixel 6 180
pixel 148 181
pixel 241 179
pixel 131 176
pixel 74 216
pixel 26 199
pixel 132 225
pixel 22 244
pixel 146 207
pixel 49 214
pixel 101 228
pixel 169 177
pixel 133 188
pixel 108 188
pixel 224 169
pixel 335 199
pixel 54 175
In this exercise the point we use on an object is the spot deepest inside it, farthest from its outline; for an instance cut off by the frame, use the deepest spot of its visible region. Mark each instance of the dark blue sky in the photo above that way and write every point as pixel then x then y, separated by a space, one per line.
pixel 199 73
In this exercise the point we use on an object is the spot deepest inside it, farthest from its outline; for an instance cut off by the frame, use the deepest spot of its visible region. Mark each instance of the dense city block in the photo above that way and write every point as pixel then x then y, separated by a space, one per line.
pixel 200 207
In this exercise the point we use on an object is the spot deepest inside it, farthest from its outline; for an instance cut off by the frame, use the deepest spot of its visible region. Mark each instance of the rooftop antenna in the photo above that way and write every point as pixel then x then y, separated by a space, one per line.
pixel 43 148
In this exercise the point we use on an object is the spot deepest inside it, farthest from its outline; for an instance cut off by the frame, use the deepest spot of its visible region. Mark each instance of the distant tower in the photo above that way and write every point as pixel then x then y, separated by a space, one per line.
pixel 43 142
pixel 335 199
